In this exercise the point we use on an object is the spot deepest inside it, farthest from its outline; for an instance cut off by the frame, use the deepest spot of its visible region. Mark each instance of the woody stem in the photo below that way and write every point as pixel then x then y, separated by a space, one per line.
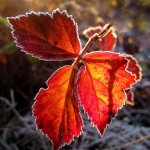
pixel 85 49
pixel 90 42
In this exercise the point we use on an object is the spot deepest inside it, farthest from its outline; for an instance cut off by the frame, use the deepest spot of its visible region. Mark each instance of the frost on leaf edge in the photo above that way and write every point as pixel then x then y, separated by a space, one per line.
pixel 51 16
pixel 107 125
pixel 38 129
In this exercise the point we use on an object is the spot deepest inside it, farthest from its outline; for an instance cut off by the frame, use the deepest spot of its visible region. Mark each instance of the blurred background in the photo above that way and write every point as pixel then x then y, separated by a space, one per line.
pixel 21 75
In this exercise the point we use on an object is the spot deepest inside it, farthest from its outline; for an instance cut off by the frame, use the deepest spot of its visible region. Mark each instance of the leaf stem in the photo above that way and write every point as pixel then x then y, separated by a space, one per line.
pixel 90 42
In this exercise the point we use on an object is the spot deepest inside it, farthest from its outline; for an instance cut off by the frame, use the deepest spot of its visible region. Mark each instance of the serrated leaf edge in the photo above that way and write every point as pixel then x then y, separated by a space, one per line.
pixel 73 137
pixel 51 16
pixel 123 91
pixel 137 64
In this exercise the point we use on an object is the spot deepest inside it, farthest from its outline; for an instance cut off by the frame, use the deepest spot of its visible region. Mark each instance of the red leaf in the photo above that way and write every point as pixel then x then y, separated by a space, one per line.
pixel 134 67
pixel 130 97
pixel 46 37
pixel 108 42
pixel 56 108
pixel 101 87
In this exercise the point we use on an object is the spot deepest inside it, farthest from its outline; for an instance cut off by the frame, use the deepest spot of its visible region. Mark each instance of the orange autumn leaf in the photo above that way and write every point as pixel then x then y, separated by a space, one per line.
pixel 101 86
pixel 48 37
pixel 106 43
pixel 96 80
pixel 56 108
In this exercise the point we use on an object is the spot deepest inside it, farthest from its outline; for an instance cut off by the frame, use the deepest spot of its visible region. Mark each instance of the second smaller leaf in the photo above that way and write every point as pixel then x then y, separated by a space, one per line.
pixel 106 43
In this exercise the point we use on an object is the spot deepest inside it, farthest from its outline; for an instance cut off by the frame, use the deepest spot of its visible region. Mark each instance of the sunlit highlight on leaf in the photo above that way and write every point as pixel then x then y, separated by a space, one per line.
pixel 56 108
pixel 101 86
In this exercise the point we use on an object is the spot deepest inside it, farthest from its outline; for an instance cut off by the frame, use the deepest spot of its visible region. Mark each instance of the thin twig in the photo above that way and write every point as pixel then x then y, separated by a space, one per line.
pixel 15 112
pixel 130 143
